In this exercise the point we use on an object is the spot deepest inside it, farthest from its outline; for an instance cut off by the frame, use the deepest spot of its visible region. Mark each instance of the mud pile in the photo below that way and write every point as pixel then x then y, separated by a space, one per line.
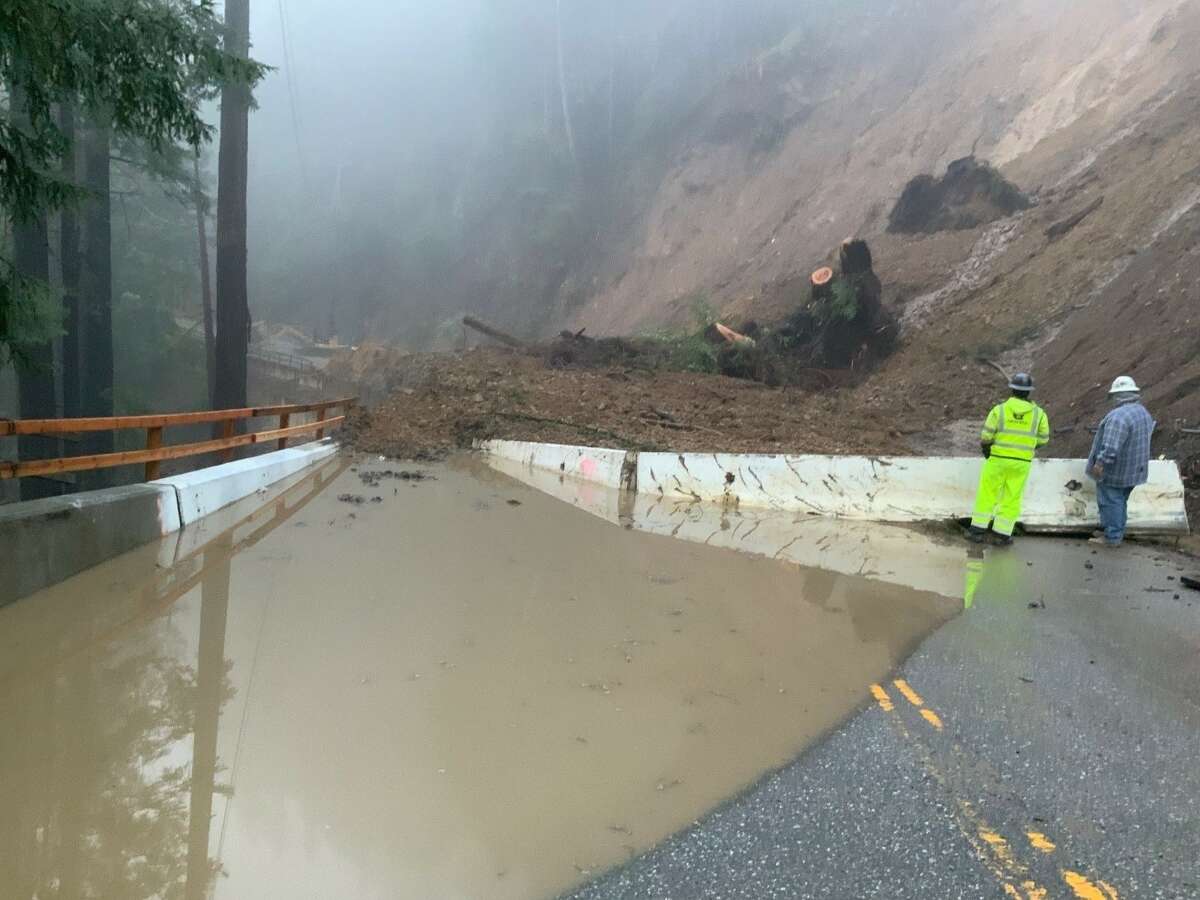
pixel 969 195
pixel 441 402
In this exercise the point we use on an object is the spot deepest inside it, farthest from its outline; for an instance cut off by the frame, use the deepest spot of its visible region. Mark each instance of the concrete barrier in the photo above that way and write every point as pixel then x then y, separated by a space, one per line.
pixel 205 491
pixel 1059 496
pixel 591 464
pixel 47 541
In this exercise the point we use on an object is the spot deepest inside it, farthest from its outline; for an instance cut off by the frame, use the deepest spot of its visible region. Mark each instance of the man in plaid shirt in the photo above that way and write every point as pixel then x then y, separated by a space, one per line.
pixel 1120 458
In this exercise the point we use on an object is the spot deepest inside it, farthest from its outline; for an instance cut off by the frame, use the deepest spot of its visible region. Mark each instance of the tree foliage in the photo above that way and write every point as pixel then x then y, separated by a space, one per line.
pixel 135 63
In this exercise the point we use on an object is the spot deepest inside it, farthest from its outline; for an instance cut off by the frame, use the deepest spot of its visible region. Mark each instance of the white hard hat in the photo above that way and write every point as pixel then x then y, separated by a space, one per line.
pixel 1125 385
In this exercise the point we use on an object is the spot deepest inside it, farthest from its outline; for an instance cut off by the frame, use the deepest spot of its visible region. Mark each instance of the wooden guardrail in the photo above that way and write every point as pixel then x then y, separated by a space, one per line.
pixel 154 425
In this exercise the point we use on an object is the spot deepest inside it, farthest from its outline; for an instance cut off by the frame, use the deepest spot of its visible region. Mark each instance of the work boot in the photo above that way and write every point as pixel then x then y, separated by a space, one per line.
pixel 1102 541
pixel 1004 540
pixel 976 535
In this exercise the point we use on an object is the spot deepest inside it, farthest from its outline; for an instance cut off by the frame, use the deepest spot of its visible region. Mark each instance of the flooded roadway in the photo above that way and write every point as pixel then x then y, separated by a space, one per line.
pixel 464 689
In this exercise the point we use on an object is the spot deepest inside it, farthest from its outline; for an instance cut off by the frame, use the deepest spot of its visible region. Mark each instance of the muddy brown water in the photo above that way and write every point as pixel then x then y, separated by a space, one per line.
pixel 468 689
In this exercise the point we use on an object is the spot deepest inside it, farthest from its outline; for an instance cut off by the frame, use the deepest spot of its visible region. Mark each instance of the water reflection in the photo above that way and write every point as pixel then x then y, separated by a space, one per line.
pixel 108 753
pixel 462 689
pixel 999 576
pixel 892 554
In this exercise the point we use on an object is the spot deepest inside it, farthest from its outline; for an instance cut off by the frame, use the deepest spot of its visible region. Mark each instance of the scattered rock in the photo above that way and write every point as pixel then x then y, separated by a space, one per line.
pixel 372 478
pixel 356 499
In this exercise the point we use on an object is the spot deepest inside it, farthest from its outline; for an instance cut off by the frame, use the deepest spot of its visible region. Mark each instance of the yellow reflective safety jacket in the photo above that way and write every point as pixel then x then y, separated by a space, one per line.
pixel 1015 429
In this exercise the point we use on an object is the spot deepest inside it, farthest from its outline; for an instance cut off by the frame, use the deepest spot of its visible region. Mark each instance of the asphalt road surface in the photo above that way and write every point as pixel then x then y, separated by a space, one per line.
pixel 1044 744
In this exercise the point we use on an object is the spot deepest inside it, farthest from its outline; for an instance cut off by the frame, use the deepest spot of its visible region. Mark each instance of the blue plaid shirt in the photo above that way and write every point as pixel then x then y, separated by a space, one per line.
pixel 1122 445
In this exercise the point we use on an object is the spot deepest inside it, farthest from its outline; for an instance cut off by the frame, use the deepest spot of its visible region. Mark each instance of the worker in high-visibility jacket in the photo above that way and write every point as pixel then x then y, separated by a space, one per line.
pixel 1010 439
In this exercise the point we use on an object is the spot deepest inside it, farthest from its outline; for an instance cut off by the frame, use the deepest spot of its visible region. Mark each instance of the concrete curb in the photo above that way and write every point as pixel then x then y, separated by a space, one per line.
pixel 1059 496
pixel 48 541
pixel 205 491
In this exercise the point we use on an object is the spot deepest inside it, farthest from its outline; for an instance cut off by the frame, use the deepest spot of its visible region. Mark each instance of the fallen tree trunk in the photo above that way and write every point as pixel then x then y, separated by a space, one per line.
pixel 493 332
pixel 732 337
pixel 1058 229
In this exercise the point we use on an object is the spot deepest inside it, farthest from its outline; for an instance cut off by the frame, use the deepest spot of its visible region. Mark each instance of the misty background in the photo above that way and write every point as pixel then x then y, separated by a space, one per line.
pixel 412 161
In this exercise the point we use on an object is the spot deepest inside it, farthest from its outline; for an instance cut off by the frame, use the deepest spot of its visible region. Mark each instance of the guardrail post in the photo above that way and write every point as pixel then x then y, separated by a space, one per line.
pixel 284 420
pixel 154 441
pixel 321 418
pixel 227 431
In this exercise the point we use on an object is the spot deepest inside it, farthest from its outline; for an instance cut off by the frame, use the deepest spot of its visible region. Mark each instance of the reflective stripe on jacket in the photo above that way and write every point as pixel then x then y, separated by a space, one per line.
pixel 1015 429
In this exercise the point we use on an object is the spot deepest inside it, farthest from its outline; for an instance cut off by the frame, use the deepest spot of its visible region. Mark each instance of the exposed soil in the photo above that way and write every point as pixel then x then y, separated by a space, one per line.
pixel 441 402
pixel 970 194
pixel 1098 278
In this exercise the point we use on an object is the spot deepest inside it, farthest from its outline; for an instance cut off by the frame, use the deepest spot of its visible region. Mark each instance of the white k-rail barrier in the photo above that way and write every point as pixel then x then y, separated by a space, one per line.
pixel 1058 497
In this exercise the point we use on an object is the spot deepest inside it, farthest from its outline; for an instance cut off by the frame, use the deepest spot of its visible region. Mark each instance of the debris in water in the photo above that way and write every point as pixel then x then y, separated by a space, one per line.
pixel 356 499
pixel 373 477
pixel 513 502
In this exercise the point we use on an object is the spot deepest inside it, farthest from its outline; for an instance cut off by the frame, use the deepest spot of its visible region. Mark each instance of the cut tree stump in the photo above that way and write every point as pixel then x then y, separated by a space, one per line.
pixel 822 283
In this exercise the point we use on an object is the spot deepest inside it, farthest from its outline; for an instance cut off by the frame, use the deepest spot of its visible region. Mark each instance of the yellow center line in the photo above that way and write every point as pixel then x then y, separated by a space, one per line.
pixel 990 846
pixel 1039 841
pixel 932 718
pixel 885 702
pixel 909 694
pixel 999 847
pixel 1085 890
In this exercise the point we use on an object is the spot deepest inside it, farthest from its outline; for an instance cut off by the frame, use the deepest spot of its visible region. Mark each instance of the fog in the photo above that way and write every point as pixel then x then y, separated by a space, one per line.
pixel 411 161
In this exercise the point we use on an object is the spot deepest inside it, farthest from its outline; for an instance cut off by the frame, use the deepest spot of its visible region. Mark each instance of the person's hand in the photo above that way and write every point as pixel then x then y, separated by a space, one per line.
pixel 986 449
pixel 1098 470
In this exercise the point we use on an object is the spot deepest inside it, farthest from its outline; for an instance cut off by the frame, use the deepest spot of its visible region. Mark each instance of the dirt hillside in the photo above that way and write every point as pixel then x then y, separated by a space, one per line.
pixel 857 110
pixel 1091 108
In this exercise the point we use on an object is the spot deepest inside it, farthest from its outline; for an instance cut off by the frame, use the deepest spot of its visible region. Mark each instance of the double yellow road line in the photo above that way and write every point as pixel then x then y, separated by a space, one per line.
pixel 989 845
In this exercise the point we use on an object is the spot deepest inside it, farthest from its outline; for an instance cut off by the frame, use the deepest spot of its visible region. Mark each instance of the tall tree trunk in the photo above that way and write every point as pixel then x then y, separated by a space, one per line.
pixel 233 314
pixel 546 78
pixel 69 262
pixel 210 338
pixel 35 381
pixel 562 84
pixel 95 294
pixel 36 388
pixel 612 90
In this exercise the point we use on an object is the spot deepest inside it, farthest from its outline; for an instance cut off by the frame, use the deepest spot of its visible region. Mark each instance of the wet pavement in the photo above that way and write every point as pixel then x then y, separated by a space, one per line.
pixel 464 688
pixel 1043 744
